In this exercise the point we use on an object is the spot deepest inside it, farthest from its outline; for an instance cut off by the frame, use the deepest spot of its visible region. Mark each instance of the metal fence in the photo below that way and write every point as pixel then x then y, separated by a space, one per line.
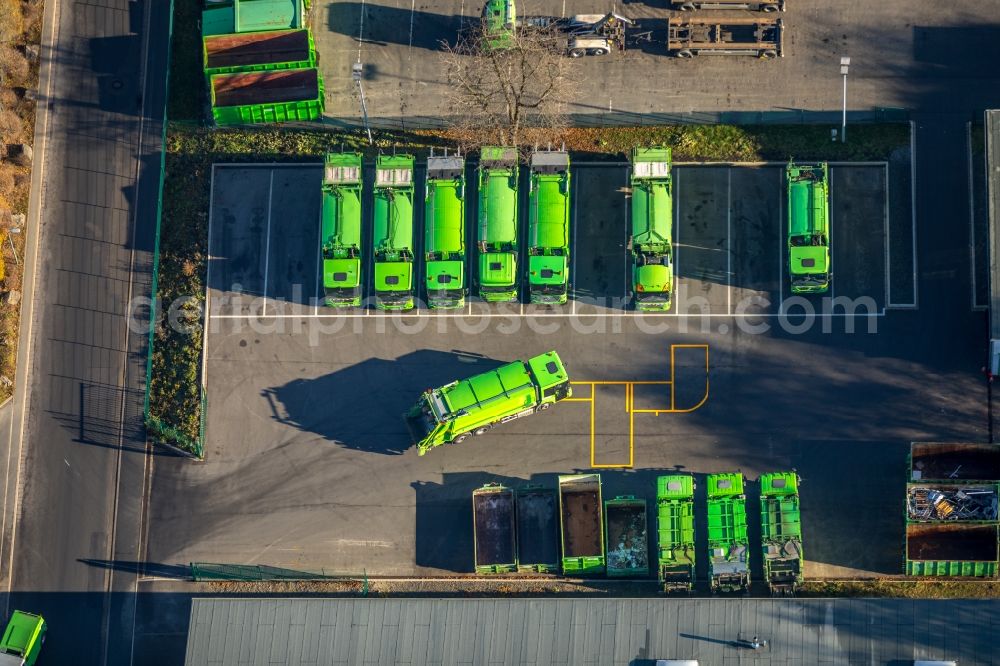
pixel 214 571
pixel 163 433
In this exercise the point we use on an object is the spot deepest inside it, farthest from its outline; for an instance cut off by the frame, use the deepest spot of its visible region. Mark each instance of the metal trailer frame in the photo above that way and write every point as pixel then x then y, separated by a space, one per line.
pixel 682 33
pixel 752 5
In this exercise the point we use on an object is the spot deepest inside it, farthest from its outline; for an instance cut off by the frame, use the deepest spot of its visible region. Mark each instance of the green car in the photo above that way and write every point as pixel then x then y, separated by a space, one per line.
pixel 22 639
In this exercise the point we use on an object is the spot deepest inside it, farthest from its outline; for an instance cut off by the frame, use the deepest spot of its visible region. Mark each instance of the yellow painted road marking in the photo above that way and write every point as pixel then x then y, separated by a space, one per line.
pixel 630 403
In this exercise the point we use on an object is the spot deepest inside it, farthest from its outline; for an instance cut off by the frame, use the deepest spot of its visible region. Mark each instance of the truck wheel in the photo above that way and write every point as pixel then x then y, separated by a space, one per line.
pixel 770 8
pixel 767 55
pixel 544 406
pixel 597 52
pixel 685 53
pixel 688 7
pixel 576 53
pixel 460 438
pixel 481 431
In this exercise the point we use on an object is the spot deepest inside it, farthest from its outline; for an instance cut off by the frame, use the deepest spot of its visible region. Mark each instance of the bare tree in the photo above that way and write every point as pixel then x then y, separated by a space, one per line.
pixel 509 91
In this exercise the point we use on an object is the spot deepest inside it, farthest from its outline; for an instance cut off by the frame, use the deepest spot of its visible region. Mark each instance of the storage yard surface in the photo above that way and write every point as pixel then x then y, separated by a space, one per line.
pixel 309 465
pixel 923 50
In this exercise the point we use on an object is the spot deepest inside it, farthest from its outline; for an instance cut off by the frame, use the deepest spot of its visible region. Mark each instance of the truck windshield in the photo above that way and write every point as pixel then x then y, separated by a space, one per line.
pixel 817 240
pixel 654 297
pixel 550 289
pixel 343 292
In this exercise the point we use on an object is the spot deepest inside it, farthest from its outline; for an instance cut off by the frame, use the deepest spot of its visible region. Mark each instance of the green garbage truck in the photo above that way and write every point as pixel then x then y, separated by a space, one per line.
pixel 499 22
pixel 675 532
pixel 729 566
pixel 808 227
pixel 393 237
pixel 22 639
pixel 341 241
pixel 548 228
pixel 493 529
pixel 781 532
pixel 581 525
pixel 444 232
pixel 473 406
pixel 651 235
pixel 497 224
pixel 626 537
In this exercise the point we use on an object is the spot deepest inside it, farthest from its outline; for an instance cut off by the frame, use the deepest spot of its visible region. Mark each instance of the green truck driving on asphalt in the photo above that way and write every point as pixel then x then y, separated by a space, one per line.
pixel 808 228
pixel 22 639
pixel 473 406
pixel 548 228
pixel 781 531
pixel 729 567
pixel 444 232
pixel 652 221
pixel 497 227
pixel 675 532
pixel 393 238
pixel 341 242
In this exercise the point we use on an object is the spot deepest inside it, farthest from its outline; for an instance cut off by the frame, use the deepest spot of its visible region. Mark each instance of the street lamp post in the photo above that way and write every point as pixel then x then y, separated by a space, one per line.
pixel 356 70
pixel 845 63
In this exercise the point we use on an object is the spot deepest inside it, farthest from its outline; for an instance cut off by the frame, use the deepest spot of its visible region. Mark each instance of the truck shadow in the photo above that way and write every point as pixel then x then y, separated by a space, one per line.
pixel 330 405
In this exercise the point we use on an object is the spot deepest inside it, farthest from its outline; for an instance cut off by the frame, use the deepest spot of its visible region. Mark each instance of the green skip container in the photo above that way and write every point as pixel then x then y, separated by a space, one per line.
pixel 267 97
pixel 258 51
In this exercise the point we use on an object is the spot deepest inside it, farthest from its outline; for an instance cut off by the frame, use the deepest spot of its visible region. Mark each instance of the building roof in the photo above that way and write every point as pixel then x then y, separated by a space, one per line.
pixel 580 631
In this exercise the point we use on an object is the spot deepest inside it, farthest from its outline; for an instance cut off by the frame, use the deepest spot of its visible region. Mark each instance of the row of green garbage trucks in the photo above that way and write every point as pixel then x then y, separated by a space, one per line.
pixel 497 234
pixel 569 529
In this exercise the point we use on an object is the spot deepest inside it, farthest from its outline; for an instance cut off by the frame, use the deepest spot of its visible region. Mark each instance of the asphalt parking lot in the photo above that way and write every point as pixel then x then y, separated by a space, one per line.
pixel 406 85
pixel 308 463
pixel 730 248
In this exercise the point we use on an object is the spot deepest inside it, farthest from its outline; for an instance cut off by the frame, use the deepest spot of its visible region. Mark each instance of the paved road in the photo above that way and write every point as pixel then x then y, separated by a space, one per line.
pixel 76 420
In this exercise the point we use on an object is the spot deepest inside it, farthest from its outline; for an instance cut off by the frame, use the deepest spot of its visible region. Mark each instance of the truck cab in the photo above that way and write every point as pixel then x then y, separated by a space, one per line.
pixel 444 232
pixel 808 228
pixel 341 228
pixel 22 639
pixel 393 237
pixel 497 226
pixel 548 228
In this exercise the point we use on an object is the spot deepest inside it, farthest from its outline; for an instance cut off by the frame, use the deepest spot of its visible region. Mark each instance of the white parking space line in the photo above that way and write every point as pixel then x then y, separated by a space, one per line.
pixel 418 314
pixel 913 228
pixel 361 29
pixel 885 254
pixel 318 295
pixel 781 241
pixel 575 221
pixel 972 220
pixel 412 14
pixel 267 241
pixel 729 240
pixel 628 236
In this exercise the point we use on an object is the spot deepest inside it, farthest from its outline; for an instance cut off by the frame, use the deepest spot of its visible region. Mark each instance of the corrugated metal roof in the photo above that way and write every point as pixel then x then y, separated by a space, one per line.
pixel 581 631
